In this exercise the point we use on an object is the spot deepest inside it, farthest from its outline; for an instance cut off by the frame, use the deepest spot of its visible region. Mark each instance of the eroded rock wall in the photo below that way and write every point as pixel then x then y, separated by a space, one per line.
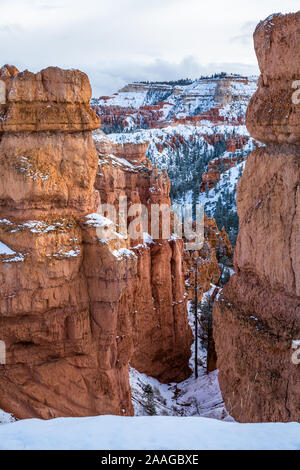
pixel 160 331
pixel 48 165
pixel 257 316
pixel 76 308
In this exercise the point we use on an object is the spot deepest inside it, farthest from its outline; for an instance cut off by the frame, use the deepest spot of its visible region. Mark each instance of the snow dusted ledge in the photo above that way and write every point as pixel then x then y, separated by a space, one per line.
pixel 146 433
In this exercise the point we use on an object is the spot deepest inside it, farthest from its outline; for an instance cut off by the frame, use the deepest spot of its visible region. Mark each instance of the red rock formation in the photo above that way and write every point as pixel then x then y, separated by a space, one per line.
pixel 217 166
pixel 154 116
pixel 215 248
pixel 216 245
pixel 236 143
pixel 76 308
pixel 222 163
pixel 257 316
pixel 117 116
pixel 209 179
pixel 274 116
pixel 46 183
pixel 42 106
pixel 161 335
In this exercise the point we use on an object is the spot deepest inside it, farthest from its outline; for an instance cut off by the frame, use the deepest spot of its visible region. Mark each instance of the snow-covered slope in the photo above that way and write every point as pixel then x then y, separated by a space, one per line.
pixel 168 147
pixel 146 433
pixel 188 125
pixel 229 93
pixel 186 151
pixel 193 397
pixel 6 418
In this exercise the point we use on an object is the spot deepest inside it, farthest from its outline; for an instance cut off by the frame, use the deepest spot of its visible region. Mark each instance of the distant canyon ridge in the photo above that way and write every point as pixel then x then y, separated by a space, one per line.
pixel 195 130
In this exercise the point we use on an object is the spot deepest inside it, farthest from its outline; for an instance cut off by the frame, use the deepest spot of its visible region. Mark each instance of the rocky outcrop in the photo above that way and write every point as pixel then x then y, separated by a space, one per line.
pixel 154 105
pixel 209 179
pixel 160 332
pixel 274 115
pixel 77 305
pixel 257 316
pixel 216 246
pixel 48 166
pixel 42 105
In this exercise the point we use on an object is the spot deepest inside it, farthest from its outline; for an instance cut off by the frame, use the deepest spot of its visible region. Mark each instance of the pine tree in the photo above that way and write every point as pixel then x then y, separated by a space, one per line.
pixel 149 397
pixel 206 322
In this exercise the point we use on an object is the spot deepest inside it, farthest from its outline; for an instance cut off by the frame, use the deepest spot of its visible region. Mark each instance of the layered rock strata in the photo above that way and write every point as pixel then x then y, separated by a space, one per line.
pixel 76 308
pixel 257 316
pixel 160 332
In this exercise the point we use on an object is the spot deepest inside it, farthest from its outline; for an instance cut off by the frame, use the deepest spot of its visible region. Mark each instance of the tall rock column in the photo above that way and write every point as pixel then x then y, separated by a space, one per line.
pixel 257 316
pixel 48 165
pixel 78 301
pixel 155 297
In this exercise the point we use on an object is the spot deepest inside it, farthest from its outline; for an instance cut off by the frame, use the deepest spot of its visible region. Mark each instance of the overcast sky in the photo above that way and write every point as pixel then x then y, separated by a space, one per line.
pixel 118 41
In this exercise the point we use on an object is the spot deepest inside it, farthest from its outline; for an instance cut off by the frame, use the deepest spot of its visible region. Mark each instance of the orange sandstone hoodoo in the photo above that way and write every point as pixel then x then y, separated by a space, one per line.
pixel 76 309
pixel 257 316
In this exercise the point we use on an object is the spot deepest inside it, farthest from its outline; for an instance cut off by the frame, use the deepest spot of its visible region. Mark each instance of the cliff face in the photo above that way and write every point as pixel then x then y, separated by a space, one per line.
pixel 216 245
pixel 257 316
pixel 75 308
pixel 196 131
pixel 273 116
pixel 161 335
pixel 48 160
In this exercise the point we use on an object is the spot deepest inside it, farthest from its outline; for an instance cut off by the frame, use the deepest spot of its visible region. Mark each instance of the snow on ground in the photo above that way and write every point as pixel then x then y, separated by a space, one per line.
pixel 185 100
pixel 160 152
pixel 123 253
pixel 184 130
pixel 11 256
pixel 38 226
pixel 193 397
pixel 5 250
pixel 228 183
pixel 128 99
pixel 115 161
pixel 6 418
pixel 146 433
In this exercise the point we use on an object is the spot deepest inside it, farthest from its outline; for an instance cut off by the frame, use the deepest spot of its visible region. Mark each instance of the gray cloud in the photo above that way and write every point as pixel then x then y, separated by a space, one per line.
pixel 125 40
pixel 120 73
pixel 10 28
pixel 246 36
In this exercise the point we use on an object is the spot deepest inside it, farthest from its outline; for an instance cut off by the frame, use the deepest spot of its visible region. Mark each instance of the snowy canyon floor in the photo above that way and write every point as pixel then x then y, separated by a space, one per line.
pixel 192 416
pixel 193 397
pixel 146 433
